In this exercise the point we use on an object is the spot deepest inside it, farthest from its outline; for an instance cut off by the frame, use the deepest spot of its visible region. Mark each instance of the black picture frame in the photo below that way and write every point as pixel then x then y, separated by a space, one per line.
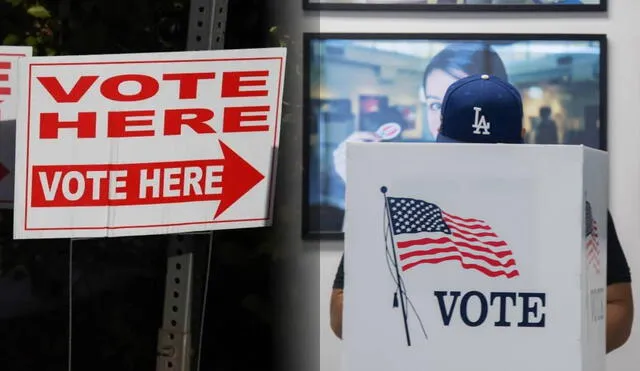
pixel 308 110
pixel 411 6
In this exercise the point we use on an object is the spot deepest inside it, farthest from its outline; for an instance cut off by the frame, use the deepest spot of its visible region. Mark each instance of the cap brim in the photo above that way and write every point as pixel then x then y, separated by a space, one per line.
pixel 445 139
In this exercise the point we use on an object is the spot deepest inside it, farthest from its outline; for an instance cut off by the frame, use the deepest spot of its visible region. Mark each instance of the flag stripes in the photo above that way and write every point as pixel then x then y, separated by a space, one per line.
pixel 425 234
pixel 593 248
pixel 591 238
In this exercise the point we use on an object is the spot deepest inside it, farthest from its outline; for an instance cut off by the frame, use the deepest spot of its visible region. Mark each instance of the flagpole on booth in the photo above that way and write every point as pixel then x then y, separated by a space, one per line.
pixel 399 289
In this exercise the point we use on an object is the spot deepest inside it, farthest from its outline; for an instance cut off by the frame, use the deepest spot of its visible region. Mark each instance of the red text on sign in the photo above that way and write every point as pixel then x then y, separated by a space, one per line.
pixel 144 123
pixel 234 84
pixel 147 123
pixel 130 184
pixel 226 180
pixel 5 90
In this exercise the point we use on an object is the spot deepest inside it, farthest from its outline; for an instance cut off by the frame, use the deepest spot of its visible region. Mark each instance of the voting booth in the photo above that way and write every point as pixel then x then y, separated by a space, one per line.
pixel 463 257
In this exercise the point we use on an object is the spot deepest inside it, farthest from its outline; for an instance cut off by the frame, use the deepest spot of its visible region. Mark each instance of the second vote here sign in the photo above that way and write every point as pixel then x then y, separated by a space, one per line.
pixel 136 144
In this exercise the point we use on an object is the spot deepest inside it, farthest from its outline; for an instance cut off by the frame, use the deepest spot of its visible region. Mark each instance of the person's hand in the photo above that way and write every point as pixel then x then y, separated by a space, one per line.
pixel 340 154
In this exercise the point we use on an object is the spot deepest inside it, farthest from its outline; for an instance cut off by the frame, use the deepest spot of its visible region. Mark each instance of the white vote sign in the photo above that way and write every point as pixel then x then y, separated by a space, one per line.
pixel 466 257
pixel 115 145
pixel 9 56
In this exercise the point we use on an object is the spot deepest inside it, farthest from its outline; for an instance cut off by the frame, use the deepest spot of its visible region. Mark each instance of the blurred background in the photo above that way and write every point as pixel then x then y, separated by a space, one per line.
pixel 359 85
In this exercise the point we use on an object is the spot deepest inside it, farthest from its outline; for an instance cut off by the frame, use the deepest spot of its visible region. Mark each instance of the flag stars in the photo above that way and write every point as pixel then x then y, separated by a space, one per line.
pixel 414 216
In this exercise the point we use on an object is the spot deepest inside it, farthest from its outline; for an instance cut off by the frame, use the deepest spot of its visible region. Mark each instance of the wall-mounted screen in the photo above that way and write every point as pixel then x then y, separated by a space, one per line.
pixel 459 5
pixel 360 84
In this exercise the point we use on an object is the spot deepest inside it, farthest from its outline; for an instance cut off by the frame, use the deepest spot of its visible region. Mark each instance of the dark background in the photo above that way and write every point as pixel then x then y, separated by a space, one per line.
pixel 118 284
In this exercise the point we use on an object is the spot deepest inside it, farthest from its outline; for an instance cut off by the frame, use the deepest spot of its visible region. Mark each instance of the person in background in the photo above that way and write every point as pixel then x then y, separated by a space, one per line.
pixel 452 63
pixel 546 130
pixel 473 92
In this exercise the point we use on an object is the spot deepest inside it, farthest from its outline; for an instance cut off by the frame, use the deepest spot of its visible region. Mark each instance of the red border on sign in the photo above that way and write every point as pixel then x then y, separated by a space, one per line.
pixel 10 55
pixel 275 139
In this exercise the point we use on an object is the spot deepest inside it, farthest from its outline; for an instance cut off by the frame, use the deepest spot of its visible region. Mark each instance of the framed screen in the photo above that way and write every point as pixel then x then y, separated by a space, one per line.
pixel 358 84
pixel 460 5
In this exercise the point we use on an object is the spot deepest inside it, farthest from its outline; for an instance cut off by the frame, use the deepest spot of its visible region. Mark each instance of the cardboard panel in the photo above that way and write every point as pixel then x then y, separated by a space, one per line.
pixel 463 256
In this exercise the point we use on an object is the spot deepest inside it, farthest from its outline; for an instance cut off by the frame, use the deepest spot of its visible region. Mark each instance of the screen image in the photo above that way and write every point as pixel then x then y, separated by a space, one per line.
pixel 357 86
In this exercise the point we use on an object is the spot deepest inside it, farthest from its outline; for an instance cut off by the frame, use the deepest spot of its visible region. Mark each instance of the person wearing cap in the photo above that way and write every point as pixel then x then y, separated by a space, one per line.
pixel 493 94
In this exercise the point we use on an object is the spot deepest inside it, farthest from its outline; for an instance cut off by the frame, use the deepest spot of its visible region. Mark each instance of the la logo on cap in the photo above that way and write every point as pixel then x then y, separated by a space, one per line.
pixel 480 124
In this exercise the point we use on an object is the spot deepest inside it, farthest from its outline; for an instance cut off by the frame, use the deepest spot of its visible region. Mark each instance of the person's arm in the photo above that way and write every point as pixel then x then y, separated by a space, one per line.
pixel 619 297
pixel 619 315
pixel 335 311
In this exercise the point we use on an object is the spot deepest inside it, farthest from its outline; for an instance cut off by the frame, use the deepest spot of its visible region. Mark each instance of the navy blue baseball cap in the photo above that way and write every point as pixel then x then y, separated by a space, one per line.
pixel 481 109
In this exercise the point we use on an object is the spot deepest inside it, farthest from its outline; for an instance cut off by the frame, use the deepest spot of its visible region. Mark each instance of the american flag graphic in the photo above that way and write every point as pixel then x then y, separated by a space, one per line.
pixel 591 238
pixel 4 79
pixel 425 234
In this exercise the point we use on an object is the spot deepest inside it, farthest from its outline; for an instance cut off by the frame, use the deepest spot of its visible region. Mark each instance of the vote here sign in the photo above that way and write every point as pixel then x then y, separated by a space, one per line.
pixel 117 145
pixel 9 56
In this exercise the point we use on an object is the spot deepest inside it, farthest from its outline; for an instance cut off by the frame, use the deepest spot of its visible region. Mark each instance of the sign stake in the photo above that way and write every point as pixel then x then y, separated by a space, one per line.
pixel 207 23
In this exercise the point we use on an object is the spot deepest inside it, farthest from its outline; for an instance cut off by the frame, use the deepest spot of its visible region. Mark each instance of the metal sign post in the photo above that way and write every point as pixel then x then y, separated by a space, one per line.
pixel 176 345
pixel 207 24
pixel 174 338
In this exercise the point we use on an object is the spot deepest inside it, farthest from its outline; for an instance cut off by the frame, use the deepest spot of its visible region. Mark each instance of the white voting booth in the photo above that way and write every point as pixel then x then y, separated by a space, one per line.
pixel 464 257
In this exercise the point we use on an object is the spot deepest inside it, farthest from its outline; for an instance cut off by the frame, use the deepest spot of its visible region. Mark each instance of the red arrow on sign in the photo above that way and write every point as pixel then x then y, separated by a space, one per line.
pixel 238 178
pixel 4 171
pixel 225 179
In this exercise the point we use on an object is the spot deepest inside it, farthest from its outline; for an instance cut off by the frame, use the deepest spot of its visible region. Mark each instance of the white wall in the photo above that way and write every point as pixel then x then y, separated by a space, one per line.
pixel 624 127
